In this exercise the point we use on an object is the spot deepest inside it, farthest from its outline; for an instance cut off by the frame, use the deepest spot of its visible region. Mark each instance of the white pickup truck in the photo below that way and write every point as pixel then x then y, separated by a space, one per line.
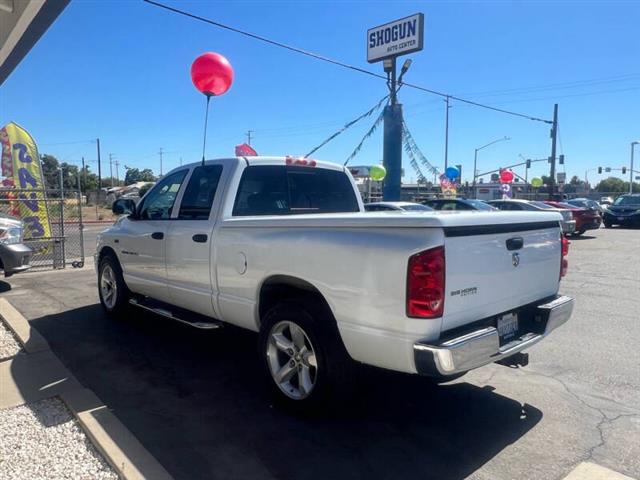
pixel 283 247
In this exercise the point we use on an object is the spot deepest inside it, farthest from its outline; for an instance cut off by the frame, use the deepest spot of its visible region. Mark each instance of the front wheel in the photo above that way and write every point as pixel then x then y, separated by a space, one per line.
pixel 113 292
pixel 304 357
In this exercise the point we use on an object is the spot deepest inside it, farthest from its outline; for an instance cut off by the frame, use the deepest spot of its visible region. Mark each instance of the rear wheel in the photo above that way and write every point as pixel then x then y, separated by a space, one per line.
pixel 113 292
pixel 304 356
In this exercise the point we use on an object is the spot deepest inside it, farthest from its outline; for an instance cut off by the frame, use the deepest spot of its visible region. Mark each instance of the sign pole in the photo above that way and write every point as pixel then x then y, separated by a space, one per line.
pixel 386 43
pixel 392 143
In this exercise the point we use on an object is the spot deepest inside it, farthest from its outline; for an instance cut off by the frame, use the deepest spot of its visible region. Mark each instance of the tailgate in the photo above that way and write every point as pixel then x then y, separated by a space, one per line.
pixel 491 269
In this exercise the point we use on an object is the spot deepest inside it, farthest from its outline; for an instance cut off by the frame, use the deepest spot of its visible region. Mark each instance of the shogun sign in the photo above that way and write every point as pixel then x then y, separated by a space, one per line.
pixel 395 38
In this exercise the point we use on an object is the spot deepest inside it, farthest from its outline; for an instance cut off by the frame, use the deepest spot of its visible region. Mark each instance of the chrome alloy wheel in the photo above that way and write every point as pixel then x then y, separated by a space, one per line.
pixel 108 287
pixel 292 360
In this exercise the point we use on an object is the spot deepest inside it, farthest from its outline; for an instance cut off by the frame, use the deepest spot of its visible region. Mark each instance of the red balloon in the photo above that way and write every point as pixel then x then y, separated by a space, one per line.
pixel 212 74
pixel 506 176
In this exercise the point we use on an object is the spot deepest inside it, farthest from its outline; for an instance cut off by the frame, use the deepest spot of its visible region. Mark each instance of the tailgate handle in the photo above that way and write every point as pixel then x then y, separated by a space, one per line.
pixel 515 243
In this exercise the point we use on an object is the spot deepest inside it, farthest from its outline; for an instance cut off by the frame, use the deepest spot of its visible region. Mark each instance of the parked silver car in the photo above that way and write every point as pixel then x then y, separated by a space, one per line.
pixel 568 223
pixel 15 257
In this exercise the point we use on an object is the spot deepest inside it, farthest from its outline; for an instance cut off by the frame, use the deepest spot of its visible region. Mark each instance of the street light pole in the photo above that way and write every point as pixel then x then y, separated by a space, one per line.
pixel 475 160
pixel 633 144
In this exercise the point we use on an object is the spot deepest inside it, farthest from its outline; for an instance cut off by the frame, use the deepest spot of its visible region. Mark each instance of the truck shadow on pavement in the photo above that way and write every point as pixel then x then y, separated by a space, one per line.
pixel 198 402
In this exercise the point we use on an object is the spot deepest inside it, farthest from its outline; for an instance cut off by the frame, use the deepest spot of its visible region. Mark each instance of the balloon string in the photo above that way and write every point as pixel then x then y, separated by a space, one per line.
pixel 206 119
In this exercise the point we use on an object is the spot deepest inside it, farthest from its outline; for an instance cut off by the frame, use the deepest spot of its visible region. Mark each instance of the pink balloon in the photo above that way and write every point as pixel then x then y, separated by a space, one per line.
pixel 212 74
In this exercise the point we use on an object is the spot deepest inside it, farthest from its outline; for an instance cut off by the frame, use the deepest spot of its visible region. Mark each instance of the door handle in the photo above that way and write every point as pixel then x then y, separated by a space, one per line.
pixel 200 238
pixel 515 243
pixel 157 235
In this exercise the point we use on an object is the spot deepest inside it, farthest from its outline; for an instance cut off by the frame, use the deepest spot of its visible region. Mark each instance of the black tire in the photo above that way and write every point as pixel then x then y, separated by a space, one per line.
pixel 333 377
pixel 121 294
pixel 607 224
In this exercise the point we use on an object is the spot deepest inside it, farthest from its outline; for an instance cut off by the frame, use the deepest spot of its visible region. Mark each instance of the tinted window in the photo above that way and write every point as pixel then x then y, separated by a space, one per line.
pixel 158 203
pixel 479 205
pixel 377 208
pixel 201 189
pixel 627 200
pixel 320 191
pixel 453 206
pixel 276 190
pixel 416 208
pixel 542 205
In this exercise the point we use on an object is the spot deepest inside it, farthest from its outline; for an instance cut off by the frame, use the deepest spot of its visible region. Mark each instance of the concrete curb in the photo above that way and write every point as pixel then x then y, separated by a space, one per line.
pixel 117 444
pixel 30 339
pixel 40 374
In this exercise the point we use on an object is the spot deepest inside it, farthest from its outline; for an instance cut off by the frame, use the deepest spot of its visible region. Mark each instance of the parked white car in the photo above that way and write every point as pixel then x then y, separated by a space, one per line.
pixel 283 247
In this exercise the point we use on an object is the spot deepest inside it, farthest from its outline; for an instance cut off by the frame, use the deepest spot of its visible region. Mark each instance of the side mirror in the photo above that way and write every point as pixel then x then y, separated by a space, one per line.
pixel 123 206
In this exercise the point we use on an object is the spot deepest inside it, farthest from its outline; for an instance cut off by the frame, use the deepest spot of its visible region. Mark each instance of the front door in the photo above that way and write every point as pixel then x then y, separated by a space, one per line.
pixel 142 243
pixel 189 242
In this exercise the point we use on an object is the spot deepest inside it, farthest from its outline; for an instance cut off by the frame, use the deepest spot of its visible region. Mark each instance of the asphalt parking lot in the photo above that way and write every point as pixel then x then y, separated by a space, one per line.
pixel 198 402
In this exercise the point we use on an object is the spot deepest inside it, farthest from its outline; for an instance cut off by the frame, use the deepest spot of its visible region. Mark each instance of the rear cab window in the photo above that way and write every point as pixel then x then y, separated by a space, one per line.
pixel 287 190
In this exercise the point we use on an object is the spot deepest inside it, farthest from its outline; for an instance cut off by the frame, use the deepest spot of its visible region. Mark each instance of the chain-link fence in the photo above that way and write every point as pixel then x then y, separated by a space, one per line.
pixel 52 225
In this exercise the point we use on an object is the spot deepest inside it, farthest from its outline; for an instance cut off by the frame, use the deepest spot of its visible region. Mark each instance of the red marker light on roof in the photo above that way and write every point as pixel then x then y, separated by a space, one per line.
pixel 303 162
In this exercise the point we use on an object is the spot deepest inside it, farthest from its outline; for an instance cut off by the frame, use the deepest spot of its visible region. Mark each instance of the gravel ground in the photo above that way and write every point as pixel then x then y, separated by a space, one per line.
pixel 43 441
pixel 9 346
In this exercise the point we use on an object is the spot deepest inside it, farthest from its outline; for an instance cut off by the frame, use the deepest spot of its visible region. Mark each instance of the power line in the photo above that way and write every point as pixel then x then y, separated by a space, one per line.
pixel 557 86
pixel 336 62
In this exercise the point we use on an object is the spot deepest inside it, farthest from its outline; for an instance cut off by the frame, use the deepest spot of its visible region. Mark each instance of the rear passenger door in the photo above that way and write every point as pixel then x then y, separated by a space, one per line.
pixel 189 242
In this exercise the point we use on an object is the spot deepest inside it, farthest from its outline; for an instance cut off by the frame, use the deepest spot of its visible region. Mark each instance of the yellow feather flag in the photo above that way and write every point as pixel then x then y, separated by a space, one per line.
pixel 23 181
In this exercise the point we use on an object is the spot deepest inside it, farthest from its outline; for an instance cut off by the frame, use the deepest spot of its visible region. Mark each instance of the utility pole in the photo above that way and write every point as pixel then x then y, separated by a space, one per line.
pixel 554 137
pixel 446 135
pixel 111 168
pixel 84 175
pixel 99 166
pixel 249 132
pixel 633 144
pixel 392 148
pixel 180 161
pixel 160 153
pixel 117 163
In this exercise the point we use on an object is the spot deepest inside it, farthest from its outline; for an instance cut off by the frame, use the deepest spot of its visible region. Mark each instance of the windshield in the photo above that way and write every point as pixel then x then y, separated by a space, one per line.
pixel 413 208
pixel 627 200
pixel 480 205
pixel 542 205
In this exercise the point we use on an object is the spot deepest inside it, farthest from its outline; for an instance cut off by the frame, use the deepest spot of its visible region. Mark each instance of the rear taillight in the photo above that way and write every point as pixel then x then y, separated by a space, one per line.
pixel 564 263
pixel 425 284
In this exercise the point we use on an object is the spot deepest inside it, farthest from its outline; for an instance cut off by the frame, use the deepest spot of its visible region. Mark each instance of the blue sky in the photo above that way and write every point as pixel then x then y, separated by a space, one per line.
pixel 120 71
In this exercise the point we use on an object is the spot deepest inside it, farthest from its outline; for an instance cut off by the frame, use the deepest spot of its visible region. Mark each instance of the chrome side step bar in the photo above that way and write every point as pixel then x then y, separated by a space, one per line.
pixel 198 321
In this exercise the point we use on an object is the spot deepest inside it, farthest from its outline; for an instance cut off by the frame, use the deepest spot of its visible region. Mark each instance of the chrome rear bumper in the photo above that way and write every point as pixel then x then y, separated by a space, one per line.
pixel 481 347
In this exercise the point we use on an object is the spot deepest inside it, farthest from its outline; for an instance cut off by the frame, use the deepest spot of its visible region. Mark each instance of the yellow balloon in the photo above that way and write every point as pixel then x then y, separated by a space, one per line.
pixel 377 173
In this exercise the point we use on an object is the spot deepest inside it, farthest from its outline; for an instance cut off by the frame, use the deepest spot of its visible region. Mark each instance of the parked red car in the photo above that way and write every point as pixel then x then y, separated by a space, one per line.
pixel 586 218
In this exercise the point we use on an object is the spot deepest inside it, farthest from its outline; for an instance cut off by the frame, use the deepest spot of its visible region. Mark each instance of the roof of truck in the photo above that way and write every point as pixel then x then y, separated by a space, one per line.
pixel 272 160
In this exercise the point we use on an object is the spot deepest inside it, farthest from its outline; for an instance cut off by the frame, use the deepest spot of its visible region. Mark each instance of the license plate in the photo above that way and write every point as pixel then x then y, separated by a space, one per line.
pixel 507 326
pixel 620 218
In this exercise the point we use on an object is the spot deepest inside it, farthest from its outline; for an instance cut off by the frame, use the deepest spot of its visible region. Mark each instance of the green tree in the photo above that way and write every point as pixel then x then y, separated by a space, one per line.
pixel 136 175
pixel 50 171
pixel 612 184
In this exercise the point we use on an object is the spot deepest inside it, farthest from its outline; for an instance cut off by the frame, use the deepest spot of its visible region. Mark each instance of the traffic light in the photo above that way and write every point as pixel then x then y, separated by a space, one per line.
pixel 528 163
pixel 599 170
pixel 561 159
pixel 624 170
